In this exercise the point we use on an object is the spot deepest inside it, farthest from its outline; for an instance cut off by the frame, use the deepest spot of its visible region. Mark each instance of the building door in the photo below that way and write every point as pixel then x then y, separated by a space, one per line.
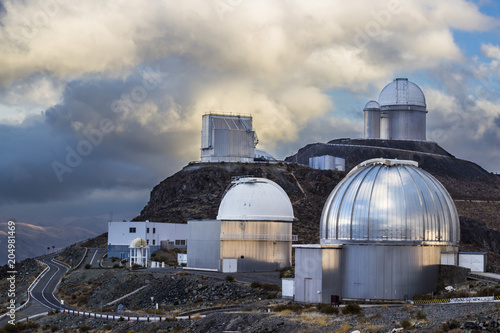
pixel 308 290
pixel 229 265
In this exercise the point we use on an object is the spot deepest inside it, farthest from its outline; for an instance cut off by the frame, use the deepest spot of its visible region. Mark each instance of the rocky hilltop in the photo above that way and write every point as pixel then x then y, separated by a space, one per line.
pixel 195 192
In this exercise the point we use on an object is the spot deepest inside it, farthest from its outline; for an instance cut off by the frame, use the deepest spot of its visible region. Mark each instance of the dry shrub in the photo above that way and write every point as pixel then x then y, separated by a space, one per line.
pixel 284 313
pixel 345 328
pixel 314 319
pixel 297 308
pixel 373 328
pixel 377 315
pixel 405 323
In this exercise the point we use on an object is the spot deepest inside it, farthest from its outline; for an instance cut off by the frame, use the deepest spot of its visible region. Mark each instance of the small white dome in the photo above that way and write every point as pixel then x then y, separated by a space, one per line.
pixel 371 105
pixel 255 199
pixel 401 92
pixel 138 243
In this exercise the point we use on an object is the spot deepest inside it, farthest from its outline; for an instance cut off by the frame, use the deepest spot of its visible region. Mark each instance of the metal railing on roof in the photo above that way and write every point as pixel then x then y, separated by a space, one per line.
pixel 259 237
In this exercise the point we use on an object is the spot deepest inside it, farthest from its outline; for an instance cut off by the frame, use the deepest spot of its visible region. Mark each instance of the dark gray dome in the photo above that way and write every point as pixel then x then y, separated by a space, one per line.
pixel 383 200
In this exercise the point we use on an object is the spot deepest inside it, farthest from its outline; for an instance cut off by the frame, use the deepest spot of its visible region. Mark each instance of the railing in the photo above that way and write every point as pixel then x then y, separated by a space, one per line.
pixel 259 237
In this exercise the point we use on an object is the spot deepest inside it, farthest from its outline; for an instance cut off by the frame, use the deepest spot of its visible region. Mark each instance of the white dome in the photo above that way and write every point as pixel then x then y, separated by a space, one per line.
pixel 384 200
pixel 256 199
pixel 138 243
pixel 401 92
pixel 371 105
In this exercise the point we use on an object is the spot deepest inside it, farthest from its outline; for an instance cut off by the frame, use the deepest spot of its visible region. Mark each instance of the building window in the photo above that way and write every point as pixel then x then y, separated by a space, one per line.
pixel 132 230
pixel 153 241
pixel 154 230
pixel 147 230
pixel 147 241
pixel 180 242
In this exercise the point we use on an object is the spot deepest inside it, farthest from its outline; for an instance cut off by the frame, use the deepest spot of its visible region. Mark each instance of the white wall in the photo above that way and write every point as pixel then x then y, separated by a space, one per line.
pixel 476 262
pixel 119 232
pixel 287 287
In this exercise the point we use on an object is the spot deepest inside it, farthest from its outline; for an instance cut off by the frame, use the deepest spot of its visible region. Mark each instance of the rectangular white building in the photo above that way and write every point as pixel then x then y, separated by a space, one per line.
pixel 327 162
pixel 121 234
pixel 227 138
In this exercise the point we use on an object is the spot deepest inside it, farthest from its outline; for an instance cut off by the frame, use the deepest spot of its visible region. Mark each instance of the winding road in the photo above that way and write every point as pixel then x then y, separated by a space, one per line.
pixel 42 297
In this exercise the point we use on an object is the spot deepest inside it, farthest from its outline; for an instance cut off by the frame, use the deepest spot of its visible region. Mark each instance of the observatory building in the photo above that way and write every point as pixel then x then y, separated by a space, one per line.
pixel 252 232
pixel 383 230
pixel 227 138
pixel 156 235
pixel 399 114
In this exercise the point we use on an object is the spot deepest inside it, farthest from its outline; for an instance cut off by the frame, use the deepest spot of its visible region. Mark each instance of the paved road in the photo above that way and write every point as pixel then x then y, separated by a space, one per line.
pixel 42 298
pixel 44 290
pixel 94 256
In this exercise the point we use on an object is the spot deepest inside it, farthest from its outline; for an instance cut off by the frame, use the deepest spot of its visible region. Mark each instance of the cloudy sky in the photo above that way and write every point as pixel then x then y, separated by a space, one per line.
pixel 101 100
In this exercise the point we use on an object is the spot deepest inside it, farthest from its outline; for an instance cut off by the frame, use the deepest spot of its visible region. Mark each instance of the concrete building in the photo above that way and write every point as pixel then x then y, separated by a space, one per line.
pixel 121 234
pixel 252 232
pixel 399 114
pixel 383 230
pixel 227 138
pixel 327 162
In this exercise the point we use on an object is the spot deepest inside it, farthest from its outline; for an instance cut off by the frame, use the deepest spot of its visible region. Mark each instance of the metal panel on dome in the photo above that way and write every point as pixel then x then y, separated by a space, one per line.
pixel 401 92
pixel 389 200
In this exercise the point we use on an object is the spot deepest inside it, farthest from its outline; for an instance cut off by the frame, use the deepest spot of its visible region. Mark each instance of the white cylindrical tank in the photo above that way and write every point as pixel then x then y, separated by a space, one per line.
pixel 372 120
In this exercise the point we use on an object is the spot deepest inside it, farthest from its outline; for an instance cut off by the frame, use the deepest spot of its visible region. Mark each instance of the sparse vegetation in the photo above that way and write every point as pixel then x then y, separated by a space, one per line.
pixel 327 309
pixel 256 284
pixel 271 295
pixel 230 278
pixel 84 328
pixel 271 287
pixel 352 309
pixel 450 325
pixel 82 300
pixel 19 327
pixel 345 328
pixel 421 315
pixel 87 266
pixel 406 324
pixel 297 308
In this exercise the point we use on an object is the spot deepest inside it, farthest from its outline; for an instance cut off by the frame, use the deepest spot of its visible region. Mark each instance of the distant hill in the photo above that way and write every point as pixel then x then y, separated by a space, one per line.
pixel 33 240
pixel 463 179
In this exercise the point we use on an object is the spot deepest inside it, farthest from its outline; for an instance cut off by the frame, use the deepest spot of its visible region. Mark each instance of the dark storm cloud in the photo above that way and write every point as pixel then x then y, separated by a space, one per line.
pixel 93 139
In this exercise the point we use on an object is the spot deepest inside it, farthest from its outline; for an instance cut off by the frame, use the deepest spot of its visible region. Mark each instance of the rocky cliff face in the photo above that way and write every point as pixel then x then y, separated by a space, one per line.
pixel 196 191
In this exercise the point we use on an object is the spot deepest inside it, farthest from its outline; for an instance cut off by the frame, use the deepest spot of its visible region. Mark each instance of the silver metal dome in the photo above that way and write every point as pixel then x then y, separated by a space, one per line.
pixel 392 201
pixel 372 105
pixel 401 92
